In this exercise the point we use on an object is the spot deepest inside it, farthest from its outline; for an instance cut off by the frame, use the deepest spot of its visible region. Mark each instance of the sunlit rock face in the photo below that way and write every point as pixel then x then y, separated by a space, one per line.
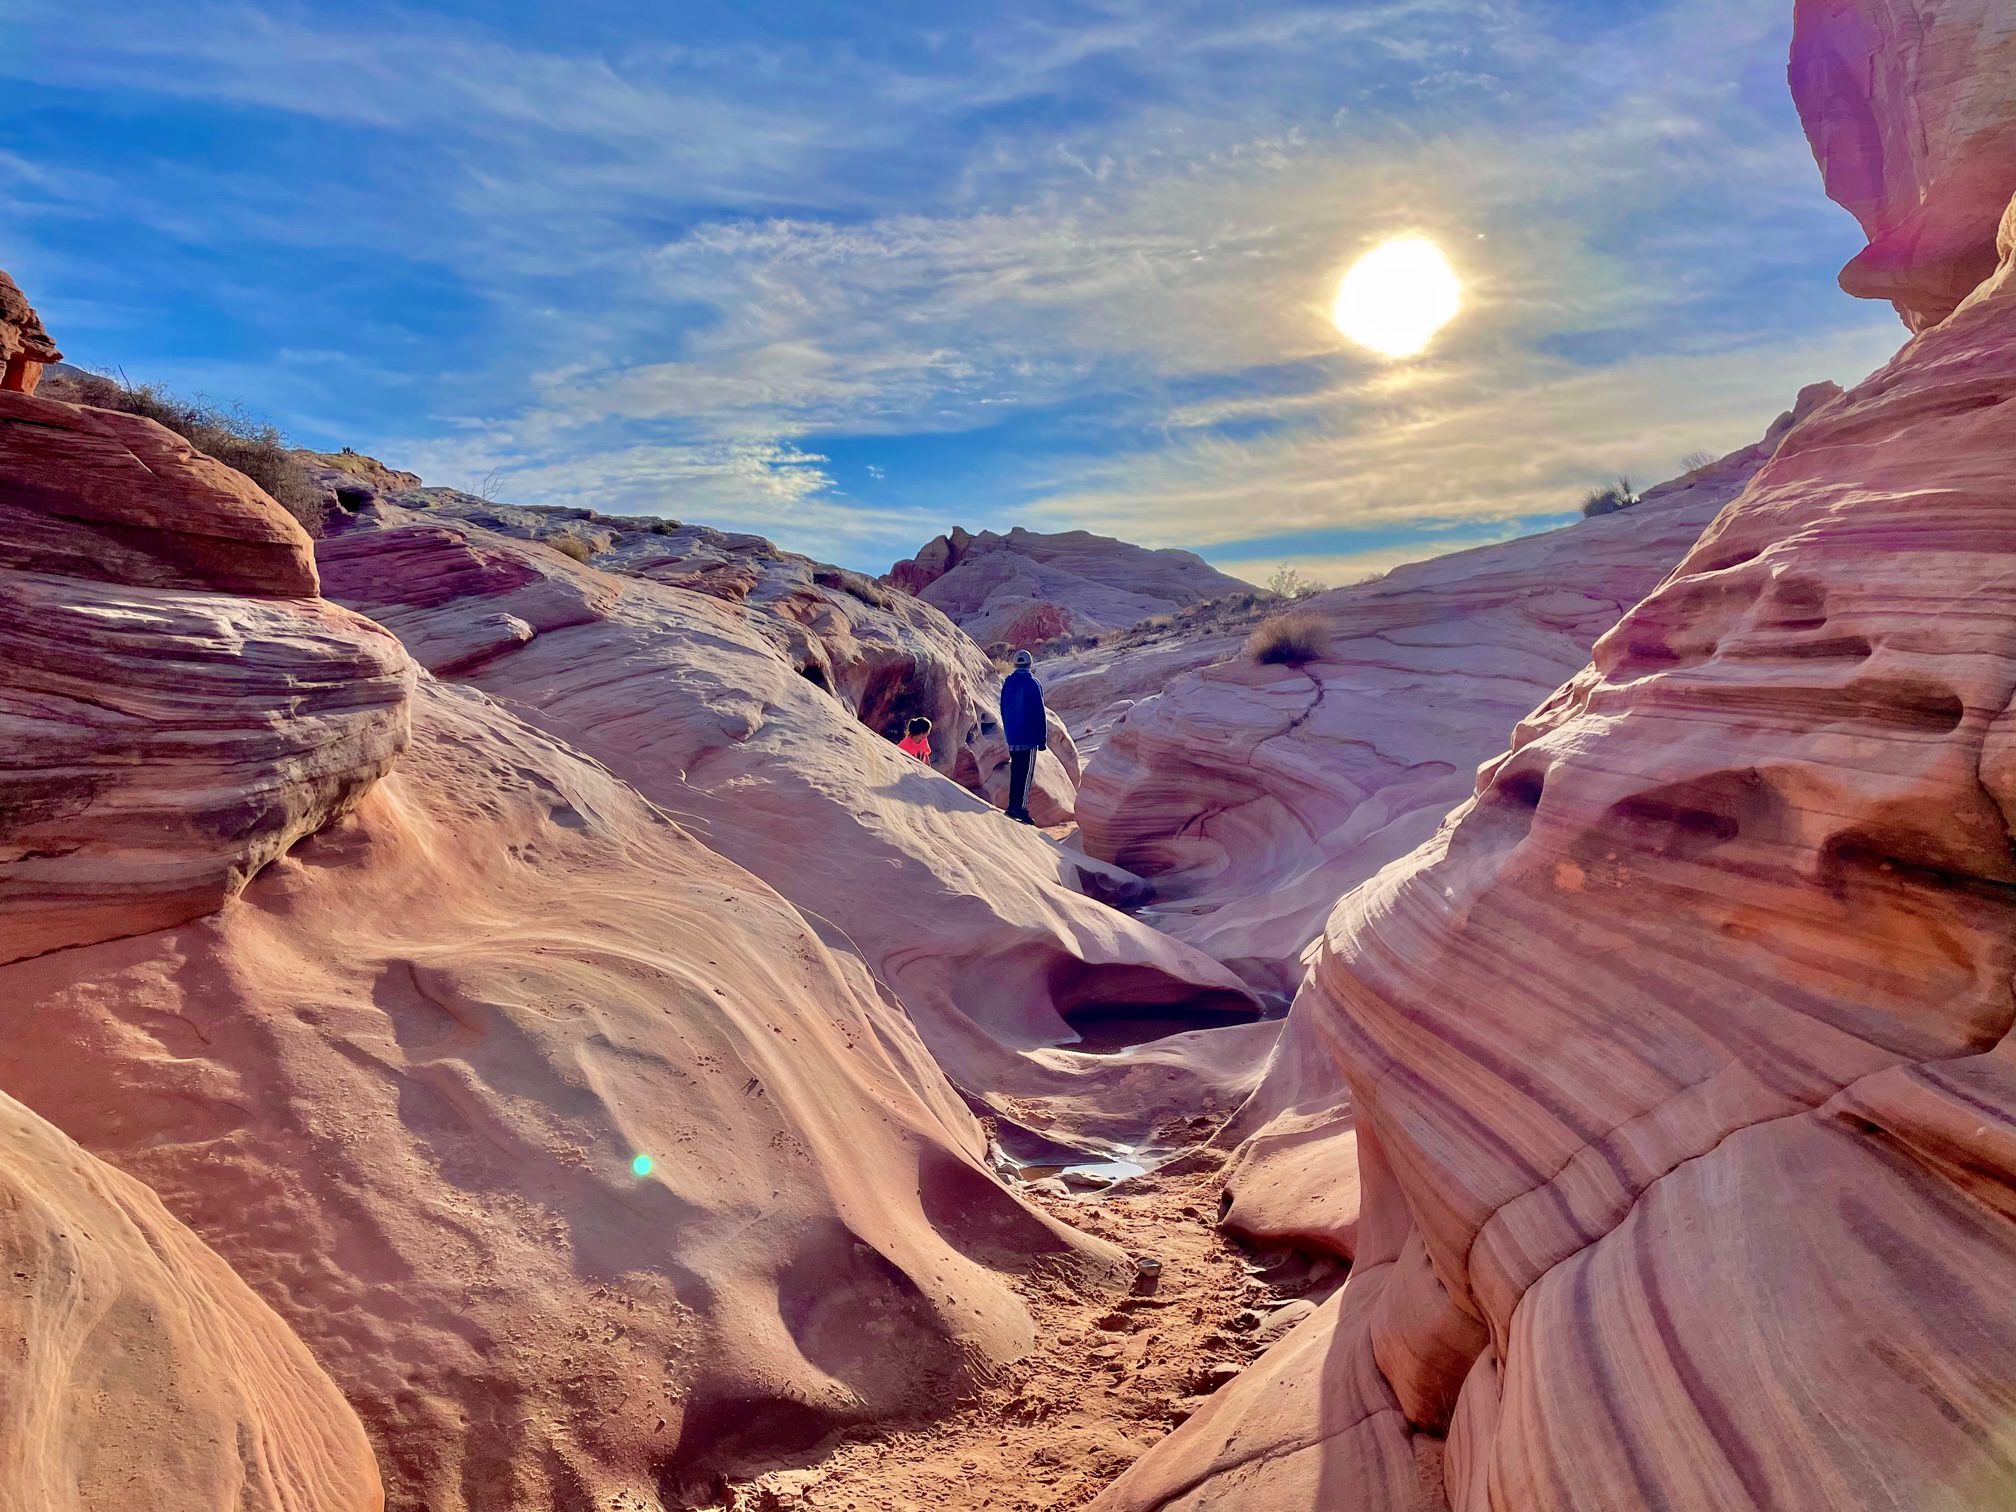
pixel 141 1371
pixel 400 1083
pixel 1254 796
pixel 1027 587
pixel 1681 1056
pixel 982 928
pixel 1911 108
pixel 883 654
pixel 178 704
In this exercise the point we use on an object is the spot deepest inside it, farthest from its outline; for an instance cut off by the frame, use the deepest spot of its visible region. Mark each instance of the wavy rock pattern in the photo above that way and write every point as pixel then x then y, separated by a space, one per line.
pixel 1256 796
pixel 141 1372
pixel 1682 1059
pixel 400 1084
pixel 980 927
pixel 885 655
pixel 162 735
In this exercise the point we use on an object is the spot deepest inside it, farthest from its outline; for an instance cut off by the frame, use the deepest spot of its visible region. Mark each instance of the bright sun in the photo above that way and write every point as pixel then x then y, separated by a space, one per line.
pixel 1397 296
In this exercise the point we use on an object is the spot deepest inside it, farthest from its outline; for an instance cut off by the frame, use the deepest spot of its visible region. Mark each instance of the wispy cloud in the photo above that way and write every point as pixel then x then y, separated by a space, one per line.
pixel 1064 264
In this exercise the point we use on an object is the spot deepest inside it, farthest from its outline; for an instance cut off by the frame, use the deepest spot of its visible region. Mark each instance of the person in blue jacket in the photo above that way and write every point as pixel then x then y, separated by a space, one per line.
pixel 1022 721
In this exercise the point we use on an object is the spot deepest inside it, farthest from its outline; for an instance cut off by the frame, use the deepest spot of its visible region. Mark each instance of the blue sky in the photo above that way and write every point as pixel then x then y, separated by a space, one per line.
pixel 849 274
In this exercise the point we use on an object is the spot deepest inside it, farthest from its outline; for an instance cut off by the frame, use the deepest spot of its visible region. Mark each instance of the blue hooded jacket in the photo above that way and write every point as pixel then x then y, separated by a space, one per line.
pixel 1022 711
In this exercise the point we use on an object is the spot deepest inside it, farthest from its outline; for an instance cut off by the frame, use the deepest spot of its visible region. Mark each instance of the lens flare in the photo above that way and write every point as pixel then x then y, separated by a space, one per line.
pixel 1397 297
pixel 641 1166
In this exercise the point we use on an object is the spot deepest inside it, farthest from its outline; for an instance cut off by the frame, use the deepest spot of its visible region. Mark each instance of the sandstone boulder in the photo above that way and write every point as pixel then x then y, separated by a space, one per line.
pixel 25 347
pixel 177 704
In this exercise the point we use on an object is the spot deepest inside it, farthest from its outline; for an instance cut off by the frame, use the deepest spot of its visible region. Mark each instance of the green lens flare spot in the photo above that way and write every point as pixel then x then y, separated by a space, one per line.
pixel 641 1166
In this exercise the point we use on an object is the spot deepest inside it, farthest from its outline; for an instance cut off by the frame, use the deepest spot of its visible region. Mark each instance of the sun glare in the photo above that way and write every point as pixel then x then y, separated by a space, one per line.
pixel 1397 296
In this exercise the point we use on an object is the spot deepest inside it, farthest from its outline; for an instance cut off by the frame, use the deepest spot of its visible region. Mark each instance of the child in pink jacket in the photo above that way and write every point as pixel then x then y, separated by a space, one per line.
pixel 917 741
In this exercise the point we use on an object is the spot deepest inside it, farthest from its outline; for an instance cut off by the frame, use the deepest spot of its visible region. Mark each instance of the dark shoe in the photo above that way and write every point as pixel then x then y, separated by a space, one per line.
pixel 1021 816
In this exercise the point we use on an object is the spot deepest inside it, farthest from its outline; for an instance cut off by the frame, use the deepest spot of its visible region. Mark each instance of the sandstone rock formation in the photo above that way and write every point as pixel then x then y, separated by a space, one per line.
pixel 400 1084
pixel 25 348
pixel 177 703
pixel 141 1372
pixel 1911 108
pixel 883 654
pixel 1255 796
pixel 1681 1057
pixel 981 928
pixel 1025 587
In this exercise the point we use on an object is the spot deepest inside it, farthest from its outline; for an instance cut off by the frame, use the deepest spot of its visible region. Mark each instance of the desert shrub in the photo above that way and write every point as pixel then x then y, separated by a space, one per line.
pixel 1291 582
pixel 1694 461
pixel 571 546
pixel 225 432
pixel 1604 501
pixel 1289 640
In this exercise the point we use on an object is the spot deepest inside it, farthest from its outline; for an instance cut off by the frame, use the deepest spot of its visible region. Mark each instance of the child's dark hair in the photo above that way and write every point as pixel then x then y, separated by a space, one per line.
pixel 919 726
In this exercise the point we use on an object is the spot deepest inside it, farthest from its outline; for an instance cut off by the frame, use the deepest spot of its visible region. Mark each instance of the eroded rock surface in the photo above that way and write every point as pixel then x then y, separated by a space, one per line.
pixel 883 654
pixel 400 1085
pixel 1911 108
pixel 980 927
pixel 1255 796
pixel 142 1372
pixel 1682 1061
pixel 1026 587
pixel 178 704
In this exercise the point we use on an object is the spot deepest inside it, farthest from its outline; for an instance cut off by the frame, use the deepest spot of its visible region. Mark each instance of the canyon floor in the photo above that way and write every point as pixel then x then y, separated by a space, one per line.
pixel 1108 1376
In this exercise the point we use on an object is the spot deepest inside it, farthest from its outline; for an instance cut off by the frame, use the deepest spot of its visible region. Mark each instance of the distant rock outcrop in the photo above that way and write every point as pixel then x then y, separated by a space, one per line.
pixel 141 1372
pixel 1023 588
pixel 1911 109
pixel 1682 1056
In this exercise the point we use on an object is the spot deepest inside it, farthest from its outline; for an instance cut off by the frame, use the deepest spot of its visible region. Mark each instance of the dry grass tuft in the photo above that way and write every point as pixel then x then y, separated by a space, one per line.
pixel 1289 640
pixel 570 546
pixel 225 432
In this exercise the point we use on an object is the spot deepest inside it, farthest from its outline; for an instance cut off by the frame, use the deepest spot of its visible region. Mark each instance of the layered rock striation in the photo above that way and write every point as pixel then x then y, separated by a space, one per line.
pixel 178 704
pixel 981 928
pixel 1255 795
pixel 884 655
pixel 1681 1056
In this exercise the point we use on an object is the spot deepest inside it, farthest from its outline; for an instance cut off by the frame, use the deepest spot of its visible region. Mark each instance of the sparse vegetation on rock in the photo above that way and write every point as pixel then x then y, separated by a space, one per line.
pixel 227 432
pixel 1289 640
pixel 1617 496
pixel 1290 582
